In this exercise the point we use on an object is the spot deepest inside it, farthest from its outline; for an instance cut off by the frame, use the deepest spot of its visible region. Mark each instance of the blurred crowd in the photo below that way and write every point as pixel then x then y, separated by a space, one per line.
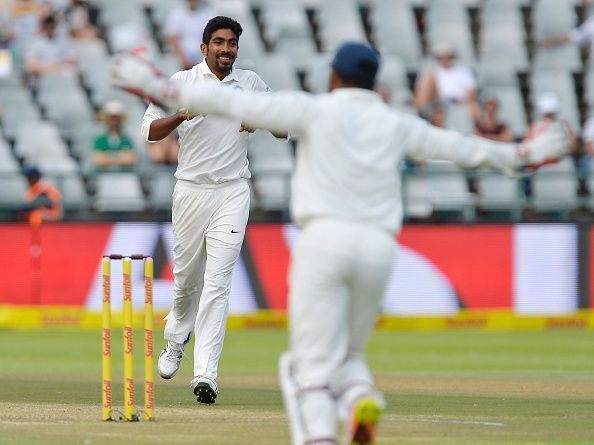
pixel 43 38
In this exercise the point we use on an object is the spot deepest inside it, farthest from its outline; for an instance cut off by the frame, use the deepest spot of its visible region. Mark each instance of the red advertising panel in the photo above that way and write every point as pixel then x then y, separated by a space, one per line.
pixel 69 254
pixel 529 268
pixel 477 260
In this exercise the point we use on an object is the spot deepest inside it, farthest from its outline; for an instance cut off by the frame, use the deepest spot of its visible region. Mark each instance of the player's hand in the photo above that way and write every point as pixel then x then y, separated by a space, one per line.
pixel 130 71
pixel 552 144
pixel 139 77
pixel 247 128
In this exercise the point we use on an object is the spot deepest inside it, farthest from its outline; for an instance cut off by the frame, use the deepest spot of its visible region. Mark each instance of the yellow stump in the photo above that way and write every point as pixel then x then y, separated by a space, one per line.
pixel 149 381
pixel 129 408
pixel 106 340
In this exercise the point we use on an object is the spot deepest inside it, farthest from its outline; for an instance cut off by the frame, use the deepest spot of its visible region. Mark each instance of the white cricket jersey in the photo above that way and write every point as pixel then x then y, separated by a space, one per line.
pixel 212 149
pixel 350 147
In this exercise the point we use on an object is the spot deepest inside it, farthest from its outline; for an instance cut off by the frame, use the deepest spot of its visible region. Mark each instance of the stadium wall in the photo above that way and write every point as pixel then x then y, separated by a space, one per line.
pixel 446 276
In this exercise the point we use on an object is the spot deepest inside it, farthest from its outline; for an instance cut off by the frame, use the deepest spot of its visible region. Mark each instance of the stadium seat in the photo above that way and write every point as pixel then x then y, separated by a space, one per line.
pixel 71 186
pixel 552 18
pixel 14 187
pixel 8 164
pixel 495 71
pixel 40 140
pixel 161 187
pixel 497 192
pixel 14 117
pixel 277 72
pixel 554 188
pixel 300 51
pixel 118 192
pixel 416 194
pixel 90 51
pixel 392 75
pixel 458 118
pixel 317 77
pixel 118 12
pixel 251 47
pixel 389 15
pixel 339 21
pixel 271 163
pixel 284 17
pixel 504 40
pixel 449 189
pixel 560 58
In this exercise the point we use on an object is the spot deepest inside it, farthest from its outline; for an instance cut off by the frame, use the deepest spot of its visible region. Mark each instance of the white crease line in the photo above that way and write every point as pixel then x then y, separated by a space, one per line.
pixel 453 421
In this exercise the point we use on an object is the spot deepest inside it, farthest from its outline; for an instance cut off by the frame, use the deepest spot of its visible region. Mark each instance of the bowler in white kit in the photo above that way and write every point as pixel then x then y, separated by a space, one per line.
pixel 346 197
pixel 210 210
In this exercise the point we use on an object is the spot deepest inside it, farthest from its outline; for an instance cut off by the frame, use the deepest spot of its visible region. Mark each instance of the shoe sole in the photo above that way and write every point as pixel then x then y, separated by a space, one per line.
pixel 366 416
pixel 204 393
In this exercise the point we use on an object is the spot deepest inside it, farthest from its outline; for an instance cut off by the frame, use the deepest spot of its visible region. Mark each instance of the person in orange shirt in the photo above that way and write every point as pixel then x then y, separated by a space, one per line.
pixel 44 201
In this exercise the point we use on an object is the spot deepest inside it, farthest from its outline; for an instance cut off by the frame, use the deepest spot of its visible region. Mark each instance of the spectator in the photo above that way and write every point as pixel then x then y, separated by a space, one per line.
pixel 184 29
pixel 582 36
pixel 446 83
pixel 487 123
pixel 113 149
pixel 43 200
pixel 82 19
pixel 26 17
pixel 547 111
pixel 50 52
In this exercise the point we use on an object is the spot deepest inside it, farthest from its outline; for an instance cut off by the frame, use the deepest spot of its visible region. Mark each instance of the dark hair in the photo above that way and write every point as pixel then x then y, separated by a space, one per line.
pixel 221 22
pixel 49 20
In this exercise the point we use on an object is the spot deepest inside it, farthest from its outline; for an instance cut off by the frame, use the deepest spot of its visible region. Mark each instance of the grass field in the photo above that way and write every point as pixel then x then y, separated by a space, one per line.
pixel 457 388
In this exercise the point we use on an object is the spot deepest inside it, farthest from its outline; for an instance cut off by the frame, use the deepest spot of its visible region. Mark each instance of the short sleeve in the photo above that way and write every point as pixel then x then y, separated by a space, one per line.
pixel 583 34
pixel 588 131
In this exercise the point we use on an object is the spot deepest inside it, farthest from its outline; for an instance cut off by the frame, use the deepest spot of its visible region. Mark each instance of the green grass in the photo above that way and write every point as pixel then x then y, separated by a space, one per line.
pixel 455 388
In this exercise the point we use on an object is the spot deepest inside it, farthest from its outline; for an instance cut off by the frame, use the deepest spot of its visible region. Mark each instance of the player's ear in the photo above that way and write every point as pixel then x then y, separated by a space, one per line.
pixel 203 48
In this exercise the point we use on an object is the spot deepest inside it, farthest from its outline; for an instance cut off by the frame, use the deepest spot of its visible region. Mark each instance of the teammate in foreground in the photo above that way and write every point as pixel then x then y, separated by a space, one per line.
pixel 346 198
pixel 210 208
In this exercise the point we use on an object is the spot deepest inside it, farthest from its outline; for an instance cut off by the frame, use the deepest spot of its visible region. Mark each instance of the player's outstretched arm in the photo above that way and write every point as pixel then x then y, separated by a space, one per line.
pixel 426 142
pixel 277 112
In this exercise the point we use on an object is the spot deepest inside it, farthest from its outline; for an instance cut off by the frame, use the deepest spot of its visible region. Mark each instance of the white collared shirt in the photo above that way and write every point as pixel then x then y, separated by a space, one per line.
pixel 212 149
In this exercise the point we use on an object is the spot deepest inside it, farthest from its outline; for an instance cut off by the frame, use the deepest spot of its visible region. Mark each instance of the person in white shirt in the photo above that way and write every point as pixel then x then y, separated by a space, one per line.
pixel 184 27
pixel 346 198
pixel 447 82
pixel 50 51
pixel 582 36
pixel 210 208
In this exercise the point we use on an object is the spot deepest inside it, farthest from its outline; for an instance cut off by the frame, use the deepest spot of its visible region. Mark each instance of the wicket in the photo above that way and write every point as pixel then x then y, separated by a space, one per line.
pixel 130 414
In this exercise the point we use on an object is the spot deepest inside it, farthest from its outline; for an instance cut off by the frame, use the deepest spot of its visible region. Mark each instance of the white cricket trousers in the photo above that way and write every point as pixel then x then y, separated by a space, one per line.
pixel 208 229
pixel 338 275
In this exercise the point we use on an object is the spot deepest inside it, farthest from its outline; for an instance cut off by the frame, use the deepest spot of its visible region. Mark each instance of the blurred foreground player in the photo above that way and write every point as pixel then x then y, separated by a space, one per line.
pixel 346 198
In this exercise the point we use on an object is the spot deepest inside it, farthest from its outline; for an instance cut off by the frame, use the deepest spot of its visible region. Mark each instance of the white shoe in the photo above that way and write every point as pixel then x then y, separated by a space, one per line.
pixel 170 359
pixel 204 389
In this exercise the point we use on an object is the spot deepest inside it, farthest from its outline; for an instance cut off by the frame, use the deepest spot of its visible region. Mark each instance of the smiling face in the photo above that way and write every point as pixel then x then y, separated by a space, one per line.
pixel 221 52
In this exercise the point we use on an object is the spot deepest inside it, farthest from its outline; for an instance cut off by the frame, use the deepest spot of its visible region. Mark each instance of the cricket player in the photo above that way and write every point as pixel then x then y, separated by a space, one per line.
pixel 210 208
pixel 346 198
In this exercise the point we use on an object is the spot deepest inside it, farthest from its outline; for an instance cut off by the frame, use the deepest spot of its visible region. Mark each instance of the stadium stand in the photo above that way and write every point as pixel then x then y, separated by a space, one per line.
pixel 289 42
